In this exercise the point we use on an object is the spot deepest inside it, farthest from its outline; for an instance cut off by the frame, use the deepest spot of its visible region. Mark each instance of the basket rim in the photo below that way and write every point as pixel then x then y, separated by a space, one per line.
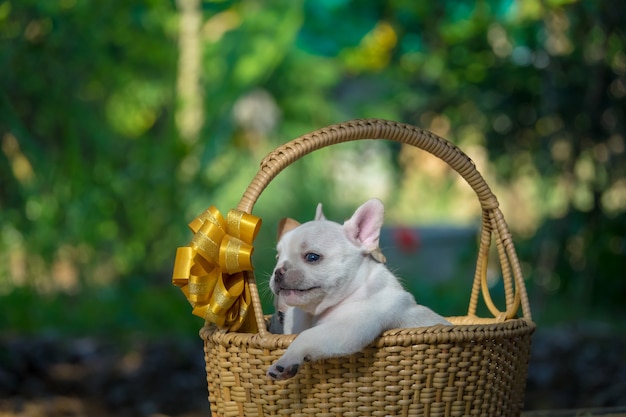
pixel 394 337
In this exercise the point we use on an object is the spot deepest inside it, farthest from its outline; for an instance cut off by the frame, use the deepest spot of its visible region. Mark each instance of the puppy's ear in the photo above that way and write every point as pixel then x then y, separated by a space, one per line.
pixel 286 224
pixel 319 214
pixel 363 227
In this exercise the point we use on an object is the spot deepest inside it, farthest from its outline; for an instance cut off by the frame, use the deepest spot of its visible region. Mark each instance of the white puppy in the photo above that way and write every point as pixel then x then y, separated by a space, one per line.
pixel 342 293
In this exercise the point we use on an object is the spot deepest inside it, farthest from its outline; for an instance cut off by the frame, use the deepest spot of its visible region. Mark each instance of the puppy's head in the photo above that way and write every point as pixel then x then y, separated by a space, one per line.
pixel 318 262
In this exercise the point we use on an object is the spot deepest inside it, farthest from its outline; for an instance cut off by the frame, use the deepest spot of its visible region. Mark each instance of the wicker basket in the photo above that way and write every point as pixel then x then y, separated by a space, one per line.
pixel 477 366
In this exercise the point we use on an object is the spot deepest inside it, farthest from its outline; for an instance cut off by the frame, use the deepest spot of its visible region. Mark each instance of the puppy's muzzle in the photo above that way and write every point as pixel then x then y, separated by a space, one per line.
pixel 279 276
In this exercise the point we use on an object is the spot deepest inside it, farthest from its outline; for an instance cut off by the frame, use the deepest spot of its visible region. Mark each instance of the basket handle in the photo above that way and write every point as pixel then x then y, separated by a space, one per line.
pixel 493 223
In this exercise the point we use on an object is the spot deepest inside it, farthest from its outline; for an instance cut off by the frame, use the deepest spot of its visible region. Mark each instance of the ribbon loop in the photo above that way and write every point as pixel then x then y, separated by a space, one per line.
pixel 235 255
pixel 207 240
pixel 210 270
pixel 246 226
pixel 182 265
pixel 211 215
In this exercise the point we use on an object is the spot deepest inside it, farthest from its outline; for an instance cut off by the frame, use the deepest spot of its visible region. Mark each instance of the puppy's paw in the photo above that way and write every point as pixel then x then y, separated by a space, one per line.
pixel 279 372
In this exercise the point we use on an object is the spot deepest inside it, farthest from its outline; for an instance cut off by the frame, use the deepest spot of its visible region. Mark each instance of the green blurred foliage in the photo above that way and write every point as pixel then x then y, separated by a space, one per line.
pixel 98 181
pixel 85 101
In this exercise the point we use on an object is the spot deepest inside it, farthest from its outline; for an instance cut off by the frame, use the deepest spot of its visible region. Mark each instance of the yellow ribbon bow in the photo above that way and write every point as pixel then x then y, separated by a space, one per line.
pixel 210 270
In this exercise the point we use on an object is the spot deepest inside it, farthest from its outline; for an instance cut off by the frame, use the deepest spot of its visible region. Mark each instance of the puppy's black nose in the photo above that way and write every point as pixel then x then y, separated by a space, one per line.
pixel 279 275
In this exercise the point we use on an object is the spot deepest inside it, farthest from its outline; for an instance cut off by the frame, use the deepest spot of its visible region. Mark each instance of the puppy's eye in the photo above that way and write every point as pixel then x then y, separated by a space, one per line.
pixel 312 257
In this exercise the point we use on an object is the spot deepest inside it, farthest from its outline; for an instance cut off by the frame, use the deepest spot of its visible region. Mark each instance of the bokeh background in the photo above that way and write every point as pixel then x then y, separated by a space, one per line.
pixel 122 121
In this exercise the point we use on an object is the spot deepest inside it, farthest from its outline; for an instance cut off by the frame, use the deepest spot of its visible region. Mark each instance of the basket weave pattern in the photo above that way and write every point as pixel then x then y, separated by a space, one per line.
pixel 477 366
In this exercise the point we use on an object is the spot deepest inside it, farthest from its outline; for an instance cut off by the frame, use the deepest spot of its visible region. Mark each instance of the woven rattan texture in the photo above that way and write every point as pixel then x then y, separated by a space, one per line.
pixel 476 367
pixel 450 371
